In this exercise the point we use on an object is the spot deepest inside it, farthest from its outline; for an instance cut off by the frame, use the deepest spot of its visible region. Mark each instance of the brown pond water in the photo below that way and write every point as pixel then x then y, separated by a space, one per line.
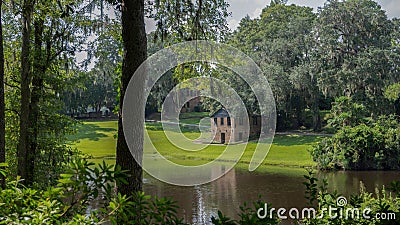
pixel 198 204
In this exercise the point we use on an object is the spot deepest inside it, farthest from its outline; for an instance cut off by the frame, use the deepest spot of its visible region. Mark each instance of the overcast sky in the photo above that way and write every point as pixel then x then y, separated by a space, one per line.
pixel 253 8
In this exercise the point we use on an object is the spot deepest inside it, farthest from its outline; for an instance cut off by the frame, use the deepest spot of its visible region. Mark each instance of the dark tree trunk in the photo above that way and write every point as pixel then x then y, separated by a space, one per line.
pixel 2 106
pixel 39 69
pixel 135 52
pixel 316 120
pixel 27 10
pixel 397 107
pixel 315 111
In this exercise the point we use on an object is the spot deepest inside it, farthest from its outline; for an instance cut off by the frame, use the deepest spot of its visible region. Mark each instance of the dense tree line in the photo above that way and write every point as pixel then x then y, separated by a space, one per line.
pixel 37 54
pixel 348 48
pixel 41 40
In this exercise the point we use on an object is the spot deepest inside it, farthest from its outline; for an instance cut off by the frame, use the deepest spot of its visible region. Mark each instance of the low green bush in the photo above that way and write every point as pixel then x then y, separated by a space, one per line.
pixel 371 145
pixel 248 216
pixel 379 208
pixel 85 194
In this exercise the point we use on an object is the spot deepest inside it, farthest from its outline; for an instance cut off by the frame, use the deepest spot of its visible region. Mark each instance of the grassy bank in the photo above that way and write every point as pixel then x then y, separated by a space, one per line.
pixel 97 138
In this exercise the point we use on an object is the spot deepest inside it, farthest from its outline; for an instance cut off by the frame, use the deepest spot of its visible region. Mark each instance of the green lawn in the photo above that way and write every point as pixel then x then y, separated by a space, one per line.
pixel 98 139
pixel 287 150
pixel 192 117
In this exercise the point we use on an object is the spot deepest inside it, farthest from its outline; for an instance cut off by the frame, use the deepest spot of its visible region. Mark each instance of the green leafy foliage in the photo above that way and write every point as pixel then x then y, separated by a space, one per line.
pixel 376 204
pixel 346 48
pixel 187 20
pixel 373 144
pixel 144 209
pixel 247 215
pixel 311 187
pixel 360 142
pixel 392 92
pixel 3 171
pixel 59 29
pixel 394 186
pixel 280 42
pixel 355 52
pixel 346 112
pixel 84 195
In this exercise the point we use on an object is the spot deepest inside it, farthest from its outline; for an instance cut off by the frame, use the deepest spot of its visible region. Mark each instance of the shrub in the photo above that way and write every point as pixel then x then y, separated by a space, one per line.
pixel 374 144
pixel 247 215
pixel 380 203
pixel 345 112
pixel 84 195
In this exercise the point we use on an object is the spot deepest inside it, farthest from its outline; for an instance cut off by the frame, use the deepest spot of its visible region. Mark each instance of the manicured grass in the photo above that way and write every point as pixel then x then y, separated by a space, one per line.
pixel 97 139
pixel 286 150
pixel 187 122
pixel 192 117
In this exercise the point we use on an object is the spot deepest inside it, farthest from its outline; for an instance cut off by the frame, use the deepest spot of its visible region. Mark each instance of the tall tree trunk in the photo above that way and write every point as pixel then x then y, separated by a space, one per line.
pixel 27 10
pixel 316 120
pixel 315 111
pixel 2 106
pixel 39 69
pixel 135 52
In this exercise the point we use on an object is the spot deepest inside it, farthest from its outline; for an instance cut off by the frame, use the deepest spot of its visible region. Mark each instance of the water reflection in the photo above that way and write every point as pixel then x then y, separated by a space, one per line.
pixel 198 204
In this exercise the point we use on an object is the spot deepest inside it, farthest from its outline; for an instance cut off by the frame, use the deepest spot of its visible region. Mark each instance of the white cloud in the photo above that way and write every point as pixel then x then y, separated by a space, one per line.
pixel 232 24
pixel 313 3
pixel 256 13
pixel 392 7
pixel 241 8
